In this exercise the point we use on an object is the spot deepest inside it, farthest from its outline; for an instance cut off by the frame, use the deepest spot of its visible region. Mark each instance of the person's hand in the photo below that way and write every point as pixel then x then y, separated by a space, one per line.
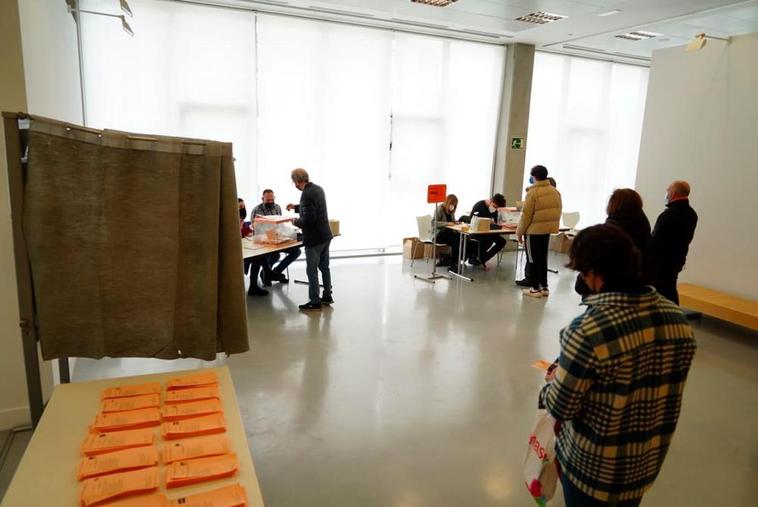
pixel 290 207
pixel 550 375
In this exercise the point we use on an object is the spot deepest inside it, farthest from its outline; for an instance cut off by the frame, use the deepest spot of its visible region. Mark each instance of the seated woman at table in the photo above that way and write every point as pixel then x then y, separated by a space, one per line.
pixel 252 264
pixel 444 216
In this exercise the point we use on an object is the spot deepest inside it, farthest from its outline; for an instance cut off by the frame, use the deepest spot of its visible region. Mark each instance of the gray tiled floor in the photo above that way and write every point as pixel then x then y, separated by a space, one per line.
pixel 411 395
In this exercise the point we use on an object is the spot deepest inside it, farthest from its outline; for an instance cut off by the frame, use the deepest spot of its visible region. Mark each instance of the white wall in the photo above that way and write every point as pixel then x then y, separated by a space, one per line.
pixel 40 74
pixel 701 125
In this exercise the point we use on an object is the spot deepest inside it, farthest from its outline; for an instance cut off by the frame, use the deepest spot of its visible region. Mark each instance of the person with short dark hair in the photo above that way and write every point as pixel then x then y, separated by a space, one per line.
pixel 253 265
pixel 314 221
pixel 483 248
pixel 670 240
pixel 268 207
pixel 540 217
pixel 616 388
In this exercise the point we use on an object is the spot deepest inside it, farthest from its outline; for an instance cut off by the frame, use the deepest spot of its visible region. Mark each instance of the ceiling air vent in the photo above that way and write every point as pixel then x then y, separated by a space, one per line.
pixel 639 35
pixel 435 3
pixel 540 18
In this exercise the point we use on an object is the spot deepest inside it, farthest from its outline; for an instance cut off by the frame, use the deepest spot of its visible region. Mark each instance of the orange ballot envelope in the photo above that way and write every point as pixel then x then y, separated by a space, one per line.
pixel 192 394
pixel 98 443
pixel 192 471
pixel 228 496
pixel 133 419
pixel 119 461
pixel 541 364
pixel 157 500
pixel 130 403
pixel 135 390
pixel 196 426
pixel 198 447
pixel 207 378
pixel 110 487
pixel 191 409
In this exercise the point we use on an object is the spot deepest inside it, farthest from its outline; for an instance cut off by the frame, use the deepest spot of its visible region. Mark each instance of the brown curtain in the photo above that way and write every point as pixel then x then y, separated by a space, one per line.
pixel 134 244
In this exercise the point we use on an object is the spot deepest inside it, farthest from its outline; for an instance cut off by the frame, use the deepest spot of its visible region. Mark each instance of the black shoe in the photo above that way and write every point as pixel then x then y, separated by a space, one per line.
pixel 310 306
pixel 280 277
pixel 442 263
pixel 523 283
pixel 256 291
pixel 474 261
pixel 327 300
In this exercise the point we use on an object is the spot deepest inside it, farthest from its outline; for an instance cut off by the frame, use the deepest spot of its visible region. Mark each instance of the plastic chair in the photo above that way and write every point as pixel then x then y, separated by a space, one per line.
pixel 424 224
pixel 570 220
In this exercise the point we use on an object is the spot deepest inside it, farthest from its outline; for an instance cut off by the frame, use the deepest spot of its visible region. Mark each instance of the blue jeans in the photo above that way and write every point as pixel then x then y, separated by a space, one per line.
pixel 574 497
pixel 317 259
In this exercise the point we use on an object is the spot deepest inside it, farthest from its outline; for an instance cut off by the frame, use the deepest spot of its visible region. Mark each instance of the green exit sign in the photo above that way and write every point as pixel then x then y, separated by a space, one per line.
pixel 517 143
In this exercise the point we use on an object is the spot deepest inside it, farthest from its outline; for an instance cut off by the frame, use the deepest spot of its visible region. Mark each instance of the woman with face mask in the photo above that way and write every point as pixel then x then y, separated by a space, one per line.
pixel 444 216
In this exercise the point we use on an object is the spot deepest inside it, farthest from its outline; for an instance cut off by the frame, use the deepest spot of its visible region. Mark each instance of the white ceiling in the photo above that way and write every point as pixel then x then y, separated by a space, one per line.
pixel 582 32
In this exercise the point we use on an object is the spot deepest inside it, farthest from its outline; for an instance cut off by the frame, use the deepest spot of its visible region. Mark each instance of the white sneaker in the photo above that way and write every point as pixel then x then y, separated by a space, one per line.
pixel 545 292
pixel 532 293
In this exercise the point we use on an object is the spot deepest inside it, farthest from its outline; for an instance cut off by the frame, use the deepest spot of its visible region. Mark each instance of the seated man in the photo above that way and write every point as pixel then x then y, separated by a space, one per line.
pixel 483 248
pixel 265 208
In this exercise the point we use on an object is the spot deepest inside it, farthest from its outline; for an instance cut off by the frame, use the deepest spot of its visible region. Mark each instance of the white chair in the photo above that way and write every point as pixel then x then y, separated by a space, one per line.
pixel 425 232
pixel 570 220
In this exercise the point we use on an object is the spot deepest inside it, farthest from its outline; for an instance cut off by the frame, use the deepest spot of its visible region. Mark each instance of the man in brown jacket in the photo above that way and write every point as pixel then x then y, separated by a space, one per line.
pixel 540 218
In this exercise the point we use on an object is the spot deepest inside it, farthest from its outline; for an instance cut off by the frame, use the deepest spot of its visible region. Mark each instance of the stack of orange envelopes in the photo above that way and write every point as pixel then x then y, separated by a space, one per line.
pixel 204 379
pixel 198 447
pixel 192 394
pixel 197 426
pixel 99 443
pixel 228 496
pixel 128 420
pixel 154 500
pixel 130 403
pixel 189 409
pixel 135 390
pixel 110 487
pixel 119 461
pixel 193 471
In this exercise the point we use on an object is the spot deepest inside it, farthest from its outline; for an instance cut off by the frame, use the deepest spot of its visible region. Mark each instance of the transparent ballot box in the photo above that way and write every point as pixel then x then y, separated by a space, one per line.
pixel 274 229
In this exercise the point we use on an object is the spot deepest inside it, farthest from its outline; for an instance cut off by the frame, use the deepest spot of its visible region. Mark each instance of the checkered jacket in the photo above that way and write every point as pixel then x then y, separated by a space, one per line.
pixel 618 390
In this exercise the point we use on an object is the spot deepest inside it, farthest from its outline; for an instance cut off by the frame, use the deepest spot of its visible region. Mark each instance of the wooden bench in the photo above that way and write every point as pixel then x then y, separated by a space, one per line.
pixel 717 304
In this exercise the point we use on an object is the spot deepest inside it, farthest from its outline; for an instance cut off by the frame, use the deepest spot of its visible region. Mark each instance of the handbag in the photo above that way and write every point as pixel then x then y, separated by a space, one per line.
pixel 540 471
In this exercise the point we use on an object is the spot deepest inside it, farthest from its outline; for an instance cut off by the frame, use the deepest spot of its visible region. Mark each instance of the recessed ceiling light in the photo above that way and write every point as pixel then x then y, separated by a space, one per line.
pixel 435 3
pixel 638 35
pixel 540 17
pixel 609 13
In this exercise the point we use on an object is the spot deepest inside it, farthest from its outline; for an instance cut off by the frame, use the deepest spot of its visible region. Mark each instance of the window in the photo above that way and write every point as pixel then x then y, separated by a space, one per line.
pixel 585 123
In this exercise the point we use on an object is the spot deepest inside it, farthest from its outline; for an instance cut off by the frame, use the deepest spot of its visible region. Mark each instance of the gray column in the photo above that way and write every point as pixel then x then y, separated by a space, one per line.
pixel 508 173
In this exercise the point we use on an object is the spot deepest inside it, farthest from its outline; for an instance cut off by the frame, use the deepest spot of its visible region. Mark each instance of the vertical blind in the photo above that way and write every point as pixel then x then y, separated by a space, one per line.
pixel 373 115
pixel 585 122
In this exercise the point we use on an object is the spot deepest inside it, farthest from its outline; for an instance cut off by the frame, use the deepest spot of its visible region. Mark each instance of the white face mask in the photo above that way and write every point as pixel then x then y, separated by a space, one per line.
pixel 493 209
pixel 451 208
pixel 666 199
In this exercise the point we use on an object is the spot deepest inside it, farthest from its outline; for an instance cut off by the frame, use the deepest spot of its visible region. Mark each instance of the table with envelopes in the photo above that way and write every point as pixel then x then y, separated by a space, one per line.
pixel 166 440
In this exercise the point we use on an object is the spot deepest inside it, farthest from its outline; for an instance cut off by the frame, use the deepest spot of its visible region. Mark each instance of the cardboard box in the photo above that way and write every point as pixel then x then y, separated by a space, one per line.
pixel 560 242
pixel 413 248
pixel 441 250
pixel 334 225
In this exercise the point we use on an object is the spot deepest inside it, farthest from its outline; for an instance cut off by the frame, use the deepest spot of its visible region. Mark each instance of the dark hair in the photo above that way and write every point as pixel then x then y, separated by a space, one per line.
pixel 624 200
pixel 239 200
pixel 539 172
pixel 552 181
pixel 267 191
pixel 606 250
pixel 499 200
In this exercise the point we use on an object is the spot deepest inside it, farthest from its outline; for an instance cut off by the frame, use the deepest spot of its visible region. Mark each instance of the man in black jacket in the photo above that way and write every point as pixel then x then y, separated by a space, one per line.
pixel 488 246
pixel 670 240
pixel 314 221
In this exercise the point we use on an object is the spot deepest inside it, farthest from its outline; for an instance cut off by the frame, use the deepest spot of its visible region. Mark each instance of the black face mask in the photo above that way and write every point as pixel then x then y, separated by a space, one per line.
pixel 243 213
pixel 269 205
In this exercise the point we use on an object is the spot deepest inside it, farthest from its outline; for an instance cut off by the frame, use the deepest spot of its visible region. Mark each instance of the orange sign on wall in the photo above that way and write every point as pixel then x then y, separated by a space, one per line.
pixel 436 193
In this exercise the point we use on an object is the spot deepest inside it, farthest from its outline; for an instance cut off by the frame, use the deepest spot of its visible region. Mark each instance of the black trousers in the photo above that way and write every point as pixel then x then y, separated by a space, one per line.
pixel 451 239
pixel 536 246
pixel 488 247
pixel 665 280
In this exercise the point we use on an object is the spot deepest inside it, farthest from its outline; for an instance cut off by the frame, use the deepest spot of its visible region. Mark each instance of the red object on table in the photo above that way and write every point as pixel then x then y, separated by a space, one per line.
pixel 436 193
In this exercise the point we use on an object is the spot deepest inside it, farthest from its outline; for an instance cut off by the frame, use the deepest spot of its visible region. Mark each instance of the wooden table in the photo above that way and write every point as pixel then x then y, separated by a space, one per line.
pixel 252 249
pixel 46 476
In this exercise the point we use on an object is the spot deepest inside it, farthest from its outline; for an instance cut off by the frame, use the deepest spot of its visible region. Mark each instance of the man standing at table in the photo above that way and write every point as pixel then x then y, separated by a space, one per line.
pixel 314 221
pixel 540 218
pixel 670 240
pixel 268 207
